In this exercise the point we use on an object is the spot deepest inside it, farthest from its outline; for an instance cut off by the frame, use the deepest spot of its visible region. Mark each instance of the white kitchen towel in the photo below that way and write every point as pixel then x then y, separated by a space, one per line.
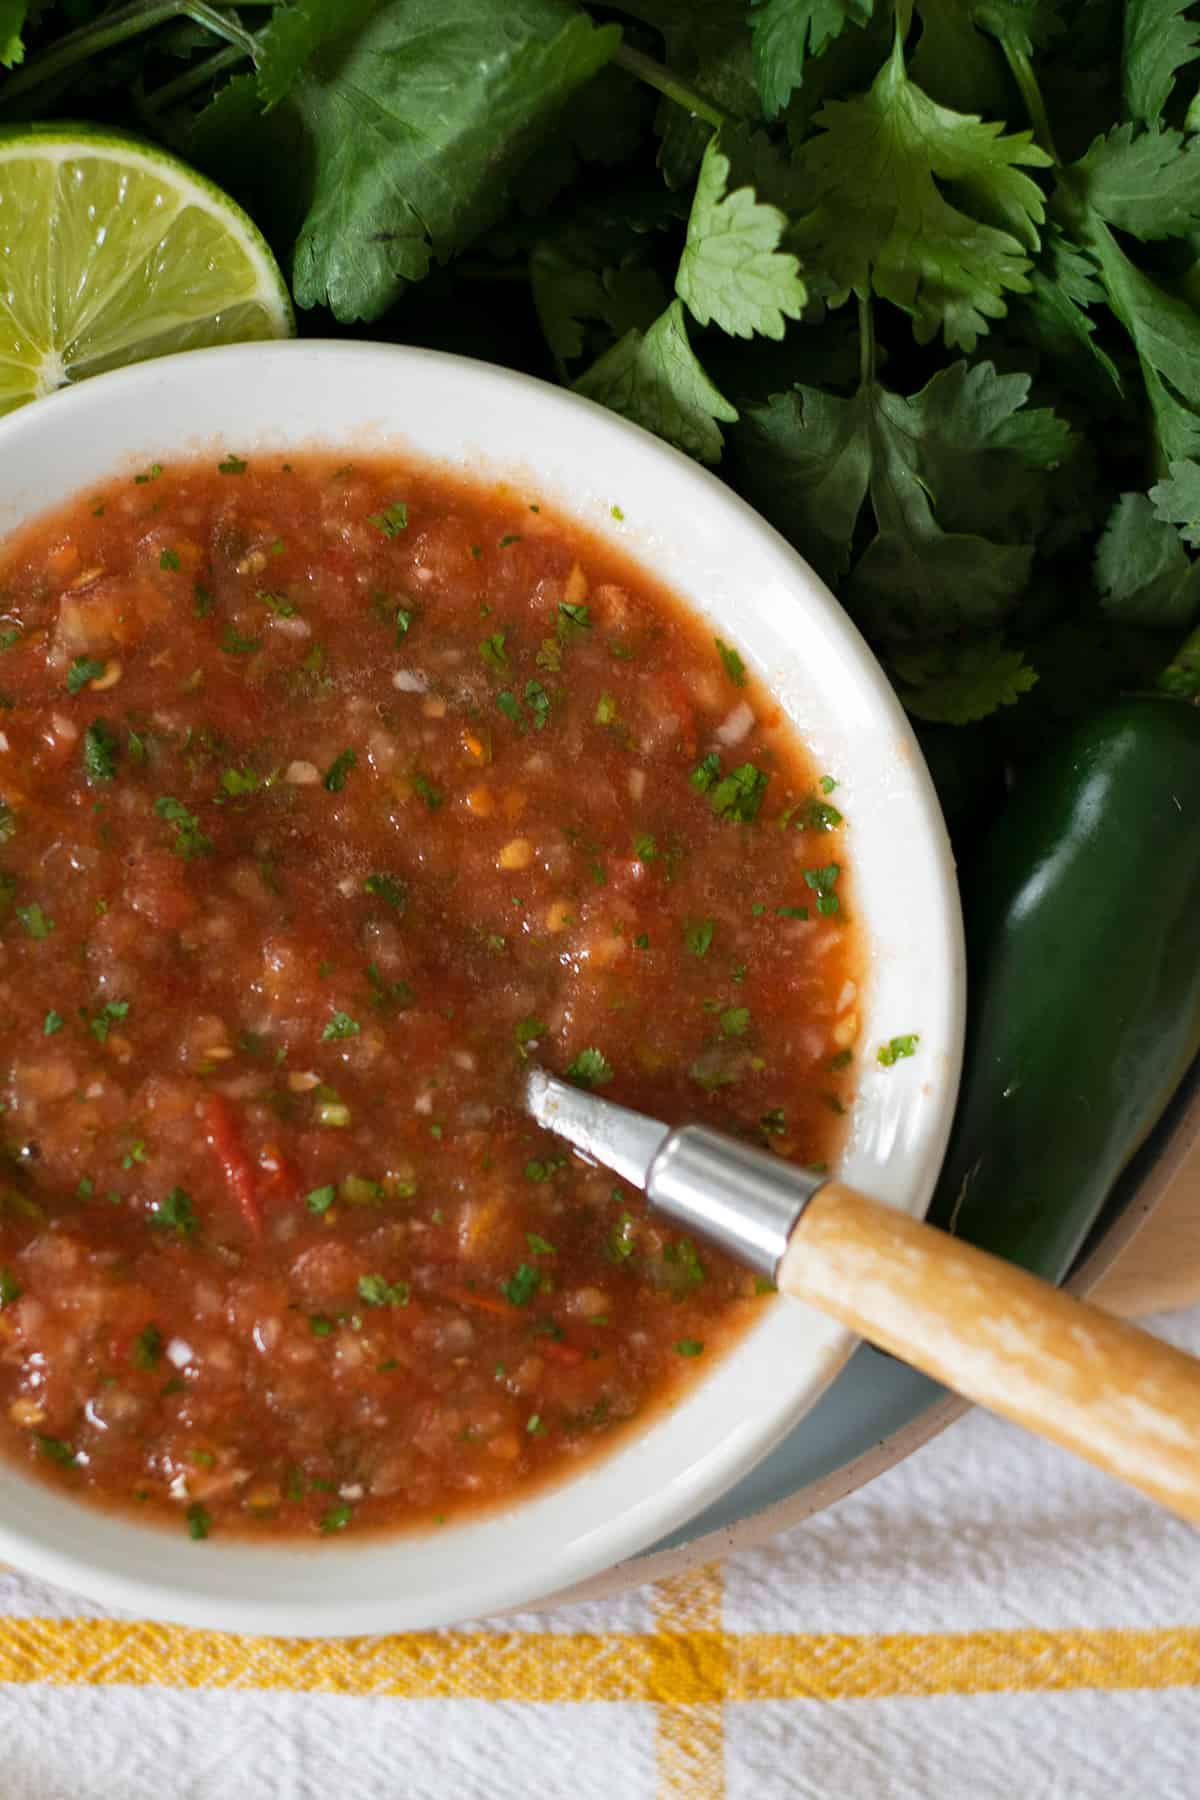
pixel 988 1621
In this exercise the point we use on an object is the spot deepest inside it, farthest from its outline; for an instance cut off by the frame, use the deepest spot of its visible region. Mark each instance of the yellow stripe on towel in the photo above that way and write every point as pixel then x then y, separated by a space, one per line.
pixel 698 1666
pixel 690 1739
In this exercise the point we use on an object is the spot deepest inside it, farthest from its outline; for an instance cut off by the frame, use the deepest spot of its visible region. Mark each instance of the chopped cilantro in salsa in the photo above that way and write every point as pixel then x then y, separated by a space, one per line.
pixel 522 1285
pixel 739 795
pixel 732 663
pixel 176 1213
pixel 100 752
pixel 591 1068
pixel 83 670
pixel 338 770
pixel 391 520
pixel 189 841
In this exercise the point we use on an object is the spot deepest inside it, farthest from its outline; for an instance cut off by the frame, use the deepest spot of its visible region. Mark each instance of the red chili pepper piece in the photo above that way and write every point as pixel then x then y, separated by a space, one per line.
pixel 221 1131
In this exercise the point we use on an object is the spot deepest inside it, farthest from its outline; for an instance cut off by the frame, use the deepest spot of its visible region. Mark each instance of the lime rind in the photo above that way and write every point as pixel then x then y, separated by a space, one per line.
pixel 113 251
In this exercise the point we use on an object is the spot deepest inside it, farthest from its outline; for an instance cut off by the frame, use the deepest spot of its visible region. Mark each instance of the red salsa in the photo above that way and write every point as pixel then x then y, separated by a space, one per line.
pixel 329 795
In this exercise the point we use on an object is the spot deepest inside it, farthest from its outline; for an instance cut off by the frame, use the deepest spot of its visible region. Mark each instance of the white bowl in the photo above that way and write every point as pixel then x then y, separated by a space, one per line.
pixel 686 527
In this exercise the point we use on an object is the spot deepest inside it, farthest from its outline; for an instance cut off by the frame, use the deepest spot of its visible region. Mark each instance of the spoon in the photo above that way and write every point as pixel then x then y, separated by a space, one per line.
pixel 1113 1394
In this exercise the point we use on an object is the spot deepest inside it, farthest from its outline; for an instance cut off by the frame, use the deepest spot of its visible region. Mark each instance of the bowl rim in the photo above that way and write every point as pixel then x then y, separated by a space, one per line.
pixel 98 1557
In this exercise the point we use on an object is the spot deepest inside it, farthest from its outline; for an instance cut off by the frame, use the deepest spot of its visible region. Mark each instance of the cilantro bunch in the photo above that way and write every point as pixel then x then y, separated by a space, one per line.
pixel 921 277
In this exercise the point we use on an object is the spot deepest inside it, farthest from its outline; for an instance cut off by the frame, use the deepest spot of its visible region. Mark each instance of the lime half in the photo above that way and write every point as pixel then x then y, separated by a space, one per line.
pixel 112 251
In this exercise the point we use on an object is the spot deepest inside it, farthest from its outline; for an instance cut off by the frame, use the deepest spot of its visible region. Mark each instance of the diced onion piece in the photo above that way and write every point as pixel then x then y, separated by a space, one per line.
pixel 738 725
pixel 410 681
pixel 179 1353
pixel 302 774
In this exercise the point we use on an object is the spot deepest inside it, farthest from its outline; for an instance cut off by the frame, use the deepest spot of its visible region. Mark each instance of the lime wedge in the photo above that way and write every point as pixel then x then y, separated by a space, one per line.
pixel 112 251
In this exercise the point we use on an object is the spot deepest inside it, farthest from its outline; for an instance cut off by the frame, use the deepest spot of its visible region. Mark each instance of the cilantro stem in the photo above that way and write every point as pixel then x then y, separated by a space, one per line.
pixel 126 22
pixel 656 76
pixel 866 342
pixel 133 20
pixel 198 76
pixel 200 13
pixel 1031 93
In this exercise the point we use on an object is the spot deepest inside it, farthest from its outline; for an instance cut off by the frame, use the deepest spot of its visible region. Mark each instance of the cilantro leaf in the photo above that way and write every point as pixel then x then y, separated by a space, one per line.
pixel 897 1048
pixel 656 380
pixel 340 1026
pixel 414 123
pixel 591 1068
pixel 100 752
pixel 1177 499
pixel 1166 335
pixel 110 1014
pixel 386 888
pixel 83 670
pixel 391 521
pixel 698 935
pixel 1054 316
pixel 809 460
pixel 787 33
pixel 805 460
pixel 575 285
pixel 338 770
pixel 12 19
pixel 955 684
pixel 37 924
pixel 522 1285
pixel 739 794
pixel 877 171
pixel 956 63
pixel 1143 572
pixel 190 841
pixel 957 59
pixel 293 34
pixel 378 1292
pixel 732 272
pixel 731 662
pixel 984 453
pixel 176 1213
pixel 57 1450
pixel 1158 41
pixel 1143 182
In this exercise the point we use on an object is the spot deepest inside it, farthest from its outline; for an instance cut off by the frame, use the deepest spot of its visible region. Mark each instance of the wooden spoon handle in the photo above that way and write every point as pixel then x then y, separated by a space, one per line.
pixel 1061 1368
